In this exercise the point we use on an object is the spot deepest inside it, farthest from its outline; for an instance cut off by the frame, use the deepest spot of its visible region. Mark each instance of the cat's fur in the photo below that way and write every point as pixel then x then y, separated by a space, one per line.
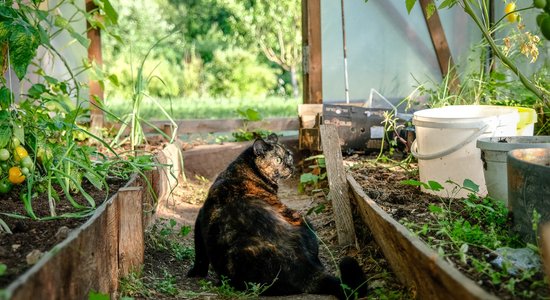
pixel 249 235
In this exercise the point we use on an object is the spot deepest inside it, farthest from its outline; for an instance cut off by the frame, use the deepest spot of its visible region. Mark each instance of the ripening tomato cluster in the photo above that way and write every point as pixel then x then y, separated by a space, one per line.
pixel 15 165
pixel 543 18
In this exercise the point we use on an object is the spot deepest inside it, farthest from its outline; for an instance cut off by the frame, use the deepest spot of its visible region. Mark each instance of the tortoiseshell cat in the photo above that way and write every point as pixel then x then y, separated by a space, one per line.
pixel 249 235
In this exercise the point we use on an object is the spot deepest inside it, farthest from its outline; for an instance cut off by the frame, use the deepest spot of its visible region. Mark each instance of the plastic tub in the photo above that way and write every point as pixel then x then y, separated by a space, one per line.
pixel 529 189
pixel 493 154
pixel 445 144
pixel 527 120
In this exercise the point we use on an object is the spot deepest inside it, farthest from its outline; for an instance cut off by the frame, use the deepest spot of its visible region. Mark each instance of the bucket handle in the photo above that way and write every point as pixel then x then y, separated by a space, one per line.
pixel 454 148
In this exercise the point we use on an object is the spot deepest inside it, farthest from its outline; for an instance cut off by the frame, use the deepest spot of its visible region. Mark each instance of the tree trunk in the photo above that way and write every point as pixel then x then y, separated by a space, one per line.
pixel 294 82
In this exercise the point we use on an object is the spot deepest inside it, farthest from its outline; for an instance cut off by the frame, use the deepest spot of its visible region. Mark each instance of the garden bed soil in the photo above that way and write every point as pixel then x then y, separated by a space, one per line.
pixel 382 183
pixel 30 238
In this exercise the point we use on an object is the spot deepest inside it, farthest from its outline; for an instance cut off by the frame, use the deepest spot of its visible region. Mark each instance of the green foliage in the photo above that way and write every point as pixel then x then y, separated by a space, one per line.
pixel 480 223
pixel 163 83
pixel 226 291
pixel 3 269
pixel 44 124
pixel 21 37
pixel 207 107
pixel 133 285
pixel 236 72
pixel 164 236
pixel 318 173
pixel 208 31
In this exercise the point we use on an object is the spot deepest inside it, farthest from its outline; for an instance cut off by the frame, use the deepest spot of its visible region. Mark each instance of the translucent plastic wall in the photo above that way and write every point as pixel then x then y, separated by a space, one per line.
pixel 388 49
pixel 70 53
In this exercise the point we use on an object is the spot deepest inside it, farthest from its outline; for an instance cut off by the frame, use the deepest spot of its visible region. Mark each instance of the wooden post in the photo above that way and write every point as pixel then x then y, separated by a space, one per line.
pixel 441 47
pixel 311 54
pixel 131 245
pixel 338 185
pixel 97 117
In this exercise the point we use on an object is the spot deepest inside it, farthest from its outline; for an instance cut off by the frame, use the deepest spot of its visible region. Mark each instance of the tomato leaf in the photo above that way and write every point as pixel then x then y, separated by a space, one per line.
pixel 5 135
pixel 410 4
pixel 6 97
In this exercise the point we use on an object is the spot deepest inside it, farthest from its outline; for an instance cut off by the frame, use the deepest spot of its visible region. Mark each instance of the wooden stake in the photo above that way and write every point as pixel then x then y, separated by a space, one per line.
pixel 131 245
pixel 338 185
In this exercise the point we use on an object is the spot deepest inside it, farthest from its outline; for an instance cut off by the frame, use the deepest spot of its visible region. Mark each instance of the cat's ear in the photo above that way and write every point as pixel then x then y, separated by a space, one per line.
pixel 273 138
pixel 260 147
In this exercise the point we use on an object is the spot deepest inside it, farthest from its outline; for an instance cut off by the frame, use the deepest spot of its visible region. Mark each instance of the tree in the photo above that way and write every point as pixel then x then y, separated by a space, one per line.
pixel 277 29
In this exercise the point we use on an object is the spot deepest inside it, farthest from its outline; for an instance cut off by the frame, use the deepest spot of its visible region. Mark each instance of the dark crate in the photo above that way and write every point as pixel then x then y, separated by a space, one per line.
pixel 359 128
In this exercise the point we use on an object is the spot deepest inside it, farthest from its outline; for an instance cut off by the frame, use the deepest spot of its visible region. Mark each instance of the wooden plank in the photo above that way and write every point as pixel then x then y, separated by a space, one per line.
pixel 312 55
pixel 416 265
pixel 441 47
pixel 545 247
pixel 86 260
pixel 131 245
pixel 338 193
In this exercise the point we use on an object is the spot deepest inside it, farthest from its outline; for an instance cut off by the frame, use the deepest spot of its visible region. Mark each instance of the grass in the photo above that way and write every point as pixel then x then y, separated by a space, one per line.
pixel 206 108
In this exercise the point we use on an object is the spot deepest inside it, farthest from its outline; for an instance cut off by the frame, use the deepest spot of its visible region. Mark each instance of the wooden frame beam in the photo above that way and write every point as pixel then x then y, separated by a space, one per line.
pixel 312 58
pixel 97 117
pixel 441 47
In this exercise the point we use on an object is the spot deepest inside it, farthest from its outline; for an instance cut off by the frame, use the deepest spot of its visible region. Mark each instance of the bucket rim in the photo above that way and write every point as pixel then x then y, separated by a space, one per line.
pixel 542 164
pixel 490 110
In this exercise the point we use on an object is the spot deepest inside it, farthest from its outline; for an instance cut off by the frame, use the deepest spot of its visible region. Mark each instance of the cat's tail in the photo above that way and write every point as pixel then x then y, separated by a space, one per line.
pixel 353 277
pixel 351 284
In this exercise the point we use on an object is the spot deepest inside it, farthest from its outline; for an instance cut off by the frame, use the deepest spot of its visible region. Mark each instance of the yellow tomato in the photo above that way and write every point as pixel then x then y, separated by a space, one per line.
pixel 510 7
pixel 19 153
pixel 15 175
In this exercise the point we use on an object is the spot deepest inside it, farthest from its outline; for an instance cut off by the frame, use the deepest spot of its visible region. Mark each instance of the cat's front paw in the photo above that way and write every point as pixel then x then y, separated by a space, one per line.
pixel 197 272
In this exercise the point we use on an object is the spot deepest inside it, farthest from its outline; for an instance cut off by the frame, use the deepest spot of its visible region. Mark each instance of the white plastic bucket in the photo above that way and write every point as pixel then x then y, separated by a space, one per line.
pixel 445 144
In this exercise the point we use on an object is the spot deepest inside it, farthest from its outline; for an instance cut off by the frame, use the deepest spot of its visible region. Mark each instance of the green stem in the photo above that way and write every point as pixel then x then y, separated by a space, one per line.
pixel 524 80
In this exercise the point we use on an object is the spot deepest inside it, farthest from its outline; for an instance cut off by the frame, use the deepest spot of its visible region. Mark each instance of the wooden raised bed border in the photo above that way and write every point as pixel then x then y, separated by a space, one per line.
pixel 415 264
pixel 109 245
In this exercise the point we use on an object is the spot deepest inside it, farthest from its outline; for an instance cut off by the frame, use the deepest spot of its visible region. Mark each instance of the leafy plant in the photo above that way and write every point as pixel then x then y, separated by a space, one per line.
pixel 164 236
pixel 318 173
pixel 226 291
pixel 244 134
pixel 132 285
pixel 478 11
pixel 37 135
pixel 133 120
pixel 476 223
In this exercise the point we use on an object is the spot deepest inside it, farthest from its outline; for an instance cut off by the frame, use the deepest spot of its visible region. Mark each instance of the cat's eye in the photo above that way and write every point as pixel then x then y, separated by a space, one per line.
pixel 278 160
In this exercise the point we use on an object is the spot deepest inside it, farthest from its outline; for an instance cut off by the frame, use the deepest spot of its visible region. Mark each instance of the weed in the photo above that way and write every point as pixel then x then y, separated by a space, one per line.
pixel 226 291
pixel 167 285
pixel 318 173
pixel 133 285
pixel 472 226
pixel 164 236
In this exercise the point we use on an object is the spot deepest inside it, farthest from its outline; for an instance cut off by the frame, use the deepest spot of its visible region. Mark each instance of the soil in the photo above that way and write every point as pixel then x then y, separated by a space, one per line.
pixel 31 238
pixel 382 183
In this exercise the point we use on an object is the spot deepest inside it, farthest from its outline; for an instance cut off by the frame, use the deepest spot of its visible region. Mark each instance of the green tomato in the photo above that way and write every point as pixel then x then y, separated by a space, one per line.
pixel 4 165
pixel 4 154
pixel 5 186
pixel 15 142
pixel 26 162
pixel 539 3
pixel 541 18
pixel 25 171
